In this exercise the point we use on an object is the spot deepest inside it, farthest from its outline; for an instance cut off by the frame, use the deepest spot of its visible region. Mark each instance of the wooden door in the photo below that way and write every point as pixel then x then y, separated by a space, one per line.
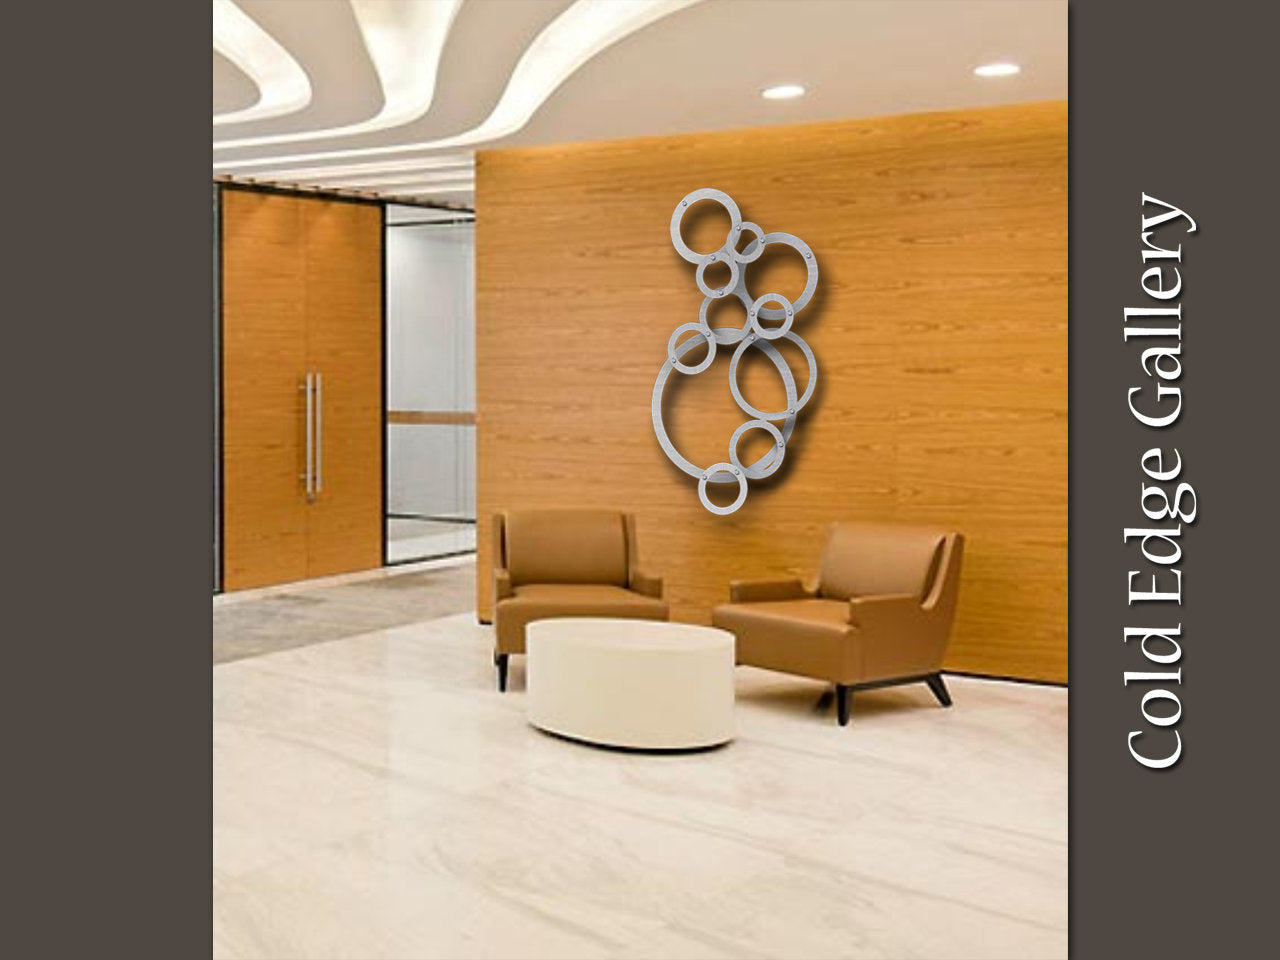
pixel 263 365
pixel 343 282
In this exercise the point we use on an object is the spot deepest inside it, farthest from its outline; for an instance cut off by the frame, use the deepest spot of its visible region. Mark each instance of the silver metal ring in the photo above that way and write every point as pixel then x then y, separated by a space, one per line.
pixel 811 274
pixel 674 359
pixel 794 404
pixel 724 289
pixel 771 333
pixel 746 256
pixel 735 474
pixel 760 469
pixel 705 193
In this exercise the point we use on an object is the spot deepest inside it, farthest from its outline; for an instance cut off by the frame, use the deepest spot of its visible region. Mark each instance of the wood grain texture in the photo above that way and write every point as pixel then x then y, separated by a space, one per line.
pixel 940 329
pixel 302 292
pixel 431 417
pixel 343 284
pixel 263 359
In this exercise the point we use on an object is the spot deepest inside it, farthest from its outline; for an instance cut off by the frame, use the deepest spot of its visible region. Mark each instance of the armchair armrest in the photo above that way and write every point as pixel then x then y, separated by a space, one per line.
pixel 901 637
pixel 646 584
pixel 885 612
pixel 501 584
pixel 762 591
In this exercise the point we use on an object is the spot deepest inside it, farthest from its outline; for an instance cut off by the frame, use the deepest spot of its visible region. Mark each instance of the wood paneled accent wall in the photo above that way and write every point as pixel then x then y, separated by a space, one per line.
pixel 940 329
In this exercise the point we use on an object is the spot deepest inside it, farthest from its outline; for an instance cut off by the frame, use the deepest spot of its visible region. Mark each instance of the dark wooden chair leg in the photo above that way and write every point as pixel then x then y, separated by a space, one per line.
pixel 939 689
pixel 500 660
pixel 843 694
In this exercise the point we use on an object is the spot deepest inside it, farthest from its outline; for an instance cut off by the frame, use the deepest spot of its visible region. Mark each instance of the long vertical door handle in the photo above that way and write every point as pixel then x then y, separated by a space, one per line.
pixel 310 420
pixel 319 473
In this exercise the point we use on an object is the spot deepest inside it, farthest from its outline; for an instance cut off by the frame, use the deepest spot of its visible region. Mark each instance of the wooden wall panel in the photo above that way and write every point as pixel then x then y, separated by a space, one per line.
pixel 302 292
pixel 940 328
pixel 263 356
pixel 344 345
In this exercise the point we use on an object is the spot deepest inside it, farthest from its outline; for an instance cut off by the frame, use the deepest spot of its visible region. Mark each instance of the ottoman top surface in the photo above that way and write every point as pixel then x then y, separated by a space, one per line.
pixel 628 633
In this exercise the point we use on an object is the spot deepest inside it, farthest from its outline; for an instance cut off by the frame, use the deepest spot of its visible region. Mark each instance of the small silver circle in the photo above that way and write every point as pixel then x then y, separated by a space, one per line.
pixel 753 249
pixel 768 463
pixel 742 490
pixel 699 276
pixel 675 358
pixel 705 193
pixel 757 311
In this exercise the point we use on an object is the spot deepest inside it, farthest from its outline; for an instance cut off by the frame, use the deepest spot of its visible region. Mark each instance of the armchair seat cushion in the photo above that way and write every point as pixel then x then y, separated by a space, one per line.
pixel 538 601
pixel 810 637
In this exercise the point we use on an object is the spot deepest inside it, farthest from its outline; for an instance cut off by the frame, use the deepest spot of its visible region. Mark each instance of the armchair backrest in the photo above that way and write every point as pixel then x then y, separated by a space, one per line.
pixel 565 546
pixel 873 559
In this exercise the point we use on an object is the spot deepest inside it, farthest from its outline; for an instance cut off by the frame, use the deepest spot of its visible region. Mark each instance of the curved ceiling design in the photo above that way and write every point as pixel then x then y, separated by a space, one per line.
pixel 406 90
pixel 405 42
pixel 568 42
pixel 283 86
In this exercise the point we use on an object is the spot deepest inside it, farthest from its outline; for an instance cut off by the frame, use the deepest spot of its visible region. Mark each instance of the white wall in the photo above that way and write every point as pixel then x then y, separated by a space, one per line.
pixel 431 366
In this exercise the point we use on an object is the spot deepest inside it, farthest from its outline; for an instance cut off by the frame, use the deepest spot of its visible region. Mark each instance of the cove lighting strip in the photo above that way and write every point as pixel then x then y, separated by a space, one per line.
pixel 425 166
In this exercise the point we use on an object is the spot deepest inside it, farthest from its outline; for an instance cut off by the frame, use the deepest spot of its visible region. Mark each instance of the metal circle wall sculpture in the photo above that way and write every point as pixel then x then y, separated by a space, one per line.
pixel 752 334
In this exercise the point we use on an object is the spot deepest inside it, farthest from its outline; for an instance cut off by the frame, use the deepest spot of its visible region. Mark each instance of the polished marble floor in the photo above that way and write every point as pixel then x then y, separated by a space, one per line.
pixel 375 796
pixel 251 623
pixel 417 538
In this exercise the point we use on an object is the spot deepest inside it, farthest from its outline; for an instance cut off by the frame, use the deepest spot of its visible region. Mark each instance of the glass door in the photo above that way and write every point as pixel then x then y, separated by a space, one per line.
pixel 431 506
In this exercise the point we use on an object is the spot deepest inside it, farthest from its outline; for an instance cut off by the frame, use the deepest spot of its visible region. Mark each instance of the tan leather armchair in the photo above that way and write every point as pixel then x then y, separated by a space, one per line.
pixel 565 563
pixel 880 613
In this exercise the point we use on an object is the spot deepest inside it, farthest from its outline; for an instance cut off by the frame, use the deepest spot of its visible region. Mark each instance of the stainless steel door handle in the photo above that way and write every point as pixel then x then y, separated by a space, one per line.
pixel 319 471
pixel 306 474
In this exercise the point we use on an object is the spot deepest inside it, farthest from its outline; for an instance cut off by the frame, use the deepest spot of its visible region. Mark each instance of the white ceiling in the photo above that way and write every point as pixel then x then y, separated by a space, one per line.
pixel 699 66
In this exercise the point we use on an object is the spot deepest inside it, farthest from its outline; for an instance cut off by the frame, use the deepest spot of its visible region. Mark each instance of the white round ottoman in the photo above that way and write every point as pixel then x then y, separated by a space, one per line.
pixel 644 684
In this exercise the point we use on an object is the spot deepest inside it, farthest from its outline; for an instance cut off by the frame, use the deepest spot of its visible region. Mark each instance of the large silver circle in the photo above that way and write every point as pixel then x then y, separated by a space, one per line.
pixel 660 429
pixel 811 274
pixel 775 455
pixel 770 333
pixel 674 359
pixel 736 474
pixel 705 193
pixel 724 289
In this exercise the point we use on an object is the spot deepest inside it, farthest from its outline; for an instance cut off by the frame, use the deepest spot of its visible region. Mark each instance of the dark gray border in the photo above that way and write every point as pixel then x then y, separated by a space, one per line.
pixel 1173 100
pixel 107 378
pixel 108 401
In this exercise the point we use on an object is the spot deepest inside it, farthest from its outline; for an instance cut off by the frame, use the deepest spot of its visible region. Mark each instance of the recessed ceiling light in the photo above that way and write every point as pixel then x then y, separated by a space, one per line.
pixel 783 91
pixel 997 70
